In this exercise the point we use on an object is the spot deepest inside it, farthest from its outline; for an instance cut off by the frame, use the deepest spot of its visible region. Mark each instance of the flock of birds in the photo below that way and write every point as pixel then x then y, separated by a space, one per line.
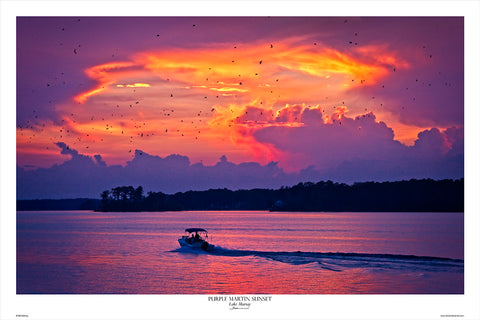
pixel 133 128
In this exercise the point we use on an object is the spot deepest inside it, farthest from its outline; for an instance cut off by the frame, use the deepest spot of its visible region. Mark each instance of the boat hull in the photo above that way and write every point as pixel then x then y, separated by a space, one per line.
pixel 198 245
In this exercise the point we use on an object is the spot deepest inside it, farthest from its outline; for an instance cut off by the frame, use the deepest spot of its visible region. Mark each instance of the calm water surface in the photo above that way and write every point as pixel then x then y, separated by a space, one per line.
pixel 256 253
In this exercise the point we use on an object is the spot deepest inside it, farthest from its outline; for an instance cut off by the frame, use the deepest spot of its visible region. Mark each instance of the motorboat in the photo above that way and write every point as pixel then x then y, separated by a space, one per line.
pixel 196 238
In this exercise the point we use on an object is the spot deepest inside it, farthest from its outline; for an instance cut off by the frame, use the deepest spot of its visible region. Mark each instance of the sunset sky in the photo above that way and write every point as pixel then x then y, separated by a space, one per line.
pixel 330 95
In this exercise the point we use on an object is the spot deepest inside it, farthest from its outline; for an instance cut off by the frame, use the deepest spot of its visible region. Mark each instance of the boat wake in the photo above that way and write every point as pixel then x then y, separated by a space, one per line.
pixel 338 261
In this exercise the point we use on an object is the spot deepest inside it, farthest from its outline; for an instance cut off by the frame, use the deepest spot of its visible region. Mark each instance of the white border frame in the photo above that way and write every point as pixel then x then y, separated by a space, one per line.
pixel 282 306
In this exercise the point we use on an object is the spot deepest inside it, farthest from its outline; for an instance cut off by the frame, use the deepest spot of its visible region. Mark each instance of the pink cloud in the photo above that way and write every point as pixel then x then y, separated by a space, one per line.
pixel 326 145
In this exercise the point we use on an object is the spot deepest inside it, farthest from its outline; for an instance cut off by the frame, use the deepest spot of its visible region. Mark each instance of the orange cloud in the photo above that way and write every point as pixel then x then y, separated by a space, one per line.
pixel 105 75
pixel 253 71
pixel 218 96
pixel 135 85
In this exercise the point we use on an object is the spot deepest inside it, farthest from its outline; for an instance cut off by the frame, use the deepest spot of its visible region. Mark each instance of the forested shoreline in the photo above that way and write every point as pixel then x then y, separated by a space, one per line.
pixel 424 195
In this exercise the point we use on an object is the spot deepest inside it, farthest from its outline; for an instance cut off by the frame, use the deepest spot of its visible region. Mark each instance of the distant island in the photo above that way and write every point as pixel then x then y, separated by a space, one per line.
pixel 424 195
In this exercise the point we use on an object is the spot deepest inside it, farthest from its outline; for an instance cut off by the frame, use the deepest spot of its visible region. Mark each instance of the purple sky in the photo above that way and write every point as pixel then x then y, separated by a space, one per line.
pixel 103 102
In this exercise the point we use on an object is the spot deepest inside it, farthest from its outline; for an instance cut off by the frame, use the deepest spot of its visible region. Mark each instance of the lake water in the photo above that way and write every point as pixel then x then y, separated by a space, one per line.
pixel 85 252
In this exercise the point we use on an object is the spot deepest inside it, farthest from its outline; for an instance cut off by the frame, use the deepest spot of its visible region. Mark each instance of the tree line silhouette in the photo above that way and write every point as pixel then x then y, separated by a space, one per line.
pixel 122 199
pixel 425 195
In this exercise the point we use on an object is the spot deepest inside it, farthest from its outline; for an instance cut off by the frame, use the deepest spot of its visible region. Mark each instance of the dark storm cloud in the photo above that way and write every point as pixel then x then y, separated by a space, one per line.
pixel 84 176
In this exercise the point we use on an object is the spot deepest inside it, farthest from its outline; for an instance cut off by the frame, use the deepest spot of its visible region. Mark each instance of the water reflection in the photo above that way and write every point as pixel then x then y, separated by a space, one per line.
pixel 314 253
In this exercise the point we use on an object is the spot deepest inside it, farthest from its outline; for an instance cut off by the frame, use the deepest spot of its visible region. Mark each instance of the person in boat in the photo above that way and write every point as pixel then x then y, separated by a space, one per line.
pixel 197 236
